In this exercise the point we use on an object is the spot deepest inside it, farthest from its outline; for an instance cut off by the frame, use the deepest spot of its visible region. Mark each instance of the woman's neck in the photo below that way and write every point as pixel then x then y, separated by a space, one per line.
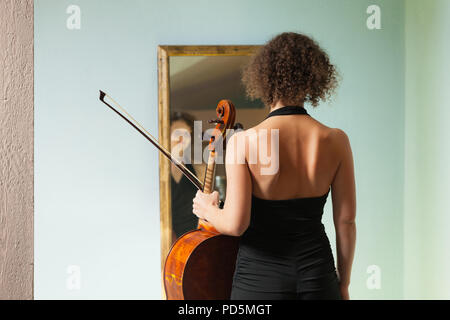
pixel 280 105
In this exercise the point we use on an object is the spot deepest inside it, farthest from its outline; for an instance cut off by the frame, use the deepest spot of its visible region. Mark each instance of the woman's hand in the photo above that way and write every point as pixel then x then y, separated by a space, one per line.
pixel 203 203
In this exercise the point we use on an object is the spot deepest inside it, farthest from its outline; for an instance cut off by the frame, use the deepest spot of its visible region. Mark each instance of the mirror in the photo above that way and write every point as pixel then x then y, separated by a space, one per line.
pixel 192 80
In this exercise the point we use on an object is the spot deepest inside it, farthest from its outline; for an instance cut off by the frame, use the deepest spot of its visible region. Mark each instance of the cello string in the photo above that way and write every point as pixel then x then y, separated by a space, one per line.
pixel 124 114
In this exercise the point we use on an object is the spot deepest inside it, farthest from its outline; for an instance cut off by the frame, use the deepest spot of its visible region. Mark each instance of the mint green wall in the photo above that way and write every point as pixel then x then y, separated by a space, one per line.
pixel 427 152
pixel 96 179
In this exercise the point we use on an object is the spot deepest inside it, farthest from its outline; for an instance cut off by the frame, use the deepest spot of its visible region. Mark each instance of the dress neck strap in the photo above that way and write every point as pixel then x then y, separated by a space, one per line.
pixel 287 110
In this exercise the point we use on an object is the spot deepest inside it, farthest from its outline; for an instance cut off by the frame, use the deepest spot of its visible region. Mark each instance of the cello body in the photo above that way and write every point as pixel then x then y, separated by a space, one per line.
pixel 200 266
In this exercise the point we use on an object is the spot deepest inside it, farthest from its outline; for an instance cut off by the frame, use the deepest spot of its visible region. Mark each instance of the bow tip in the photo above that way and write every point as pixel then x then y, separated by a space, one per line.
pixel 102 95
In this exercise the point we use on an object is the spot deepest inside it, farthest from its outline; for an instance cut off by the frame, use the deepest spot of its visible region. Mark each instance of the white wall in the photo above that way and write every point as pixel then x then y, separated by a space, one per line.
pixel 427 150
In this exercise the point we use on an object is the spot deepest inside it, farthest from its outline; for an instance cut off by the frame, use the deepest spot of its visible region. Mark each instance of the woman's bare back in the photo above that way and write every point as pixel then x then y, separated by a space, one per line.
pixel 308 157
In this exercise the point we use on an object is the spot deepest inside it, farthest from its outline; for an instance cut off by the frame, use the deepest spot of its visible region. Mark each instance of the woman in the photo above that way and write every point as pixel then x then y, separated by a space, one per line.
pixel 182 190
pixel 284 252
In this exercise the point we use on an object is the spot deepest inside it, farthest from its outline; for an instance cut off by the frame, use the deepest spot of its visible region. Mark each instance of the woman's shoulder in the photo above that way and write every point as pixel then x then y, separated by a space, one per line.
pixel 336 135
pixel 247 133
pixel 338 141
pixel 339 136
pixel 251 132
pixel 333 138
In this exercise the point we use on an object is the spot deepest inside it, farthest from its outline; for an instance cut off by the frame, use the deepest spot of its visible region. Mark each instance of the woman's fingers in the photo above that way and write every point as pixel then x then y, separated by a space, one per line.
pixel 202 201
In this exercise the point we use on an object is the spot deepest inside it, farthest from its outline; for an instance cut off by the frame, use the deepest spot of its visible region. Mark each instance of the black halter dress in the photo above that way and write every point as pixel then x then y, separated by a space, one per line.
pixel 285 252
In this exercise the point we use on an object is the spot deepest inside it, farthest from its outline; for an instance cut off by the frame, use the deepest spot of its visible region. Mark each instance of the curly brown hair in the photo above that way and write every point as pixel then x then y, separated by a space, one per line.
pixel 290 68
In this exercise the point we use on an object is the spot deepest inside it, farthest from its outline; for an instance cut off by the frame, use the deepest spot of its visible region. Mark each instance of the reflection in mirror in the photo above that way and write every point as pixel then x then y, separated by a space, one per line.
pixel 182 190
pixel 197 84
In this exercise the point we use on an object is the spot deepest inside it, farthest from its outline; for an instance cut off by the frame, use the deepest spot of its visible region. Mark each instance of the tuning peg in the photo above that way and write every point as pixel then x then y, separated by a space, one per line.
pixel 216 121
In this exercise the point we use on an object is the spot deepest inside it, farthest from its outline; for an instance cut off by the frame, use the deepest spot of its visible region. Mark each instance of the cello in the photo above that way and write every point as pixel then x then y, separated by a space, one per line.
pixel 201 263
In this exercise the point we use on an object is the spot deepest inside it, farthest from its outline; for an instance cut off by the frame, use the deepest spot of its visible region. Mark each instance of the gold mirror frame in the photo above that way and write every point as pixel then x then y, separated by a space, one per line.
pixel 164 54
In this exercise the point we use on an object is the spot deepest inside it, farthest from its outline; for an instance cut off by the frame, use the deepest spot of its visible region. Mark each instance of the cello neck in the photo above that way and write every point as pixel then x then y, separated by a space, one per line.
pixel 208 184
pixel 208 188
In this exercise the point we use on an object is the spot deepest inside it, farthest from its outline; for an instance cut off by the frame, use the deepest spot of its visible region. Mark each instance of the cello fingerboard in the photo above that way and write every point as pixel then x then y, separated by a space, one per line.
pixel 209 174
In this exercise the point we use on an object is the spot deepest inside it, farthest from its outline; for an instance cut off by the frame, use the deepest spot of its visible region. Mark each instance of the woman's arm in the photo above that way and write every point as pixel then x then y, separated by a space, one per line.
pixel 344 211
pixel 234 218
